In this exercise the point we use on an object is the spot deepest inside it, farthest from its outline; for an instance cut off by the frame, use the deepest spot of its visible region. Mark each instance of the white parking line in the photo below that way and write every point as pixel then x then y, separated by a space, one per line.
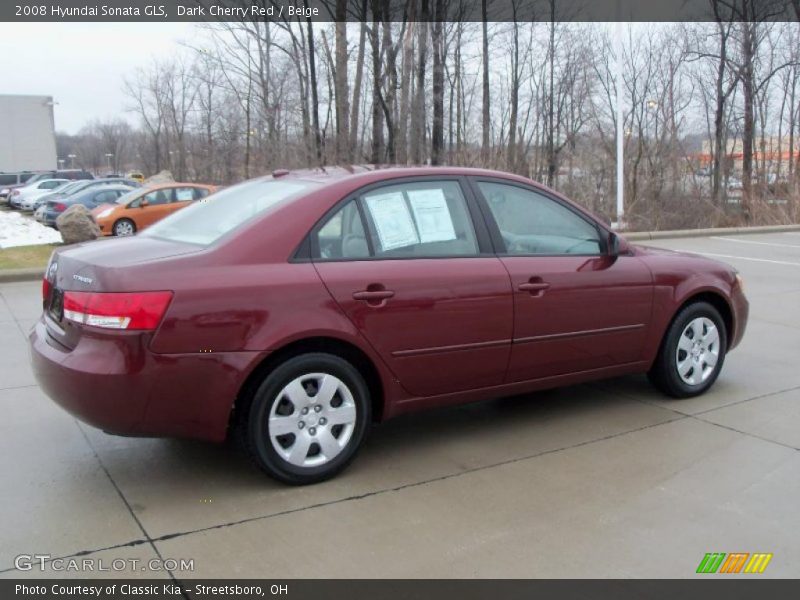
pixel 727 239
pixel 764 260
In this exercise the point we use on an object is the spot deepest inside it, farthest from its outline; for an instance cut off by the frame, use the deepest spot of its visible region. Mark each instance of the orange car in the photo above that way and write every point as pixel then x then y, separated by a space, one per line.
pixel 144 206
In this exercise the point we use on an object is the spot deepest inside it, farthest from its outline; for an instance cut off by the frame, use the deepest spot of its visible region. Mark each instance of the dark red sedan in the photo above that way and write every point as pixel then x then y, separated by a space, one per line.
pixel 294 310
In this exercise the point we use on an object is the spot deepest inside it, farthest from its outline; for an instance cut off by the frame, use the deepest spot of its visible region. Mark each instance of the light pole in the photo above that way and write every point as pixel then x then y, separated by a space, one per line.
pixel 109 156
pixel 61 163
pixel 71 158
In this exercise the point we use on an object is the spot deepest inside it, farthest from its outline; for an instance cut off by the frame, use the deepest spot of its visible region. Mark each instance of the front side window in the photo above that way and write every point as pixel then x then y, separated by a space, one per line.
pixel 343 236
pixel 420 219
pixel 532 223
pixel 157 197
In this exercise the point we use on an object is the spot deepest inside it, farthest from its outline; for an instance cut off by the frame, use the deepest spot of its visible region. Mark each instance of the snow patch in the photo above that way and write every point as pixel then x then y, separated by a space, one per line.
pixel 19 230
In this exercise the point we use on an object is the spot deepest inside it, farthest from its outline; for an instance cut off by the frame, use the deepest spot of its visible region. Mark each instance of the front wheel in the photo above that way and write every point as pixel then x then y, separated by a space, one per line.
pixel 691 353
pixel 308 418
pixel 124 227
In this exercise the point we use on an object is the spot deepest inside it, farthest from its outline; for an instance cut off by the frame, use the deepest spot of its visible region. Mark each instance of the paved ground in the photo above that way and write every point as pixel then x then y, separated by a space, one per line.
pixel 605 480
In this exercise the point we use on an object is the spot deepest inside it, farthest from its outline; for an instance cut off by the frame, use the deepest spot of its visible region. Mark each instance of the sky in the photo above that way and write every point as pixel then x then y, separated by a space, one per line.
pixel 82 65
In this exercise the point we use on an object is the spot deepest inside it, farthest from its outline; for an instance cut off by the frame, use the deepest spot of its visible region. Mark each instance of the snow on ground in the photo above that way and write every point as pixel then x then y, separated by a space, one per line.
pixel 21 230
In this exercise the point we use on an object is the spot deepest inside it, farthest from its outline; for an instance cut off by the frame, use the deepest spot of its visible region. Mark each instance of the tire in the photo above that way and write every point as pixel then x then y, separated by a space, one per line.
pixel 286 402
pixel 124 227
pixel 683 367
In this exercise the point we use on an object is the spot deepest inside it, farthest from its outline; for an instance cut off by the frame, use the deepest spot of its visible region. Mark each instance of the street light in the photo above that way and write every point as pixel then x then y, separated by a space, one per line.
pixel 61 162
pixel 71 158
pixel 109 156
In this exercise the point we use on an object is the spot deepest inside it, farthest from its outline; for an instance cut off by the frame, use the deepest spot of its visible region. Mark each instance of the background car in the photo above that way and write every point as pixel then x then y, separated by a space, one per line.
pixel 10 181
pixel 76 186
pixel 136 175
pixel 290 311
pixel 71 174
pixel 25 196
pixel 91 198
pixel 148 205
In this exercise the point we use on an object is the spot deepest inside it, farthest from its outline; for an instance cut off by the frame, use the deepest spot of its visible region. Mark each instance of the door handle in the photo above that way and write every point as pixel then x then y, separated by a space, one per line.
pixel 535 286
pixel 375 295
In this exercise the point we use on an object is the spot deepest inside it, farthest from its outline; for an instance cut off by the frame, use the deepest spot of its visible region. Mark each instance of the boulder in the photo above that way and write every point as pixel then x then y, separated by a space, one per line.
pixel 76 224
pixel 164 176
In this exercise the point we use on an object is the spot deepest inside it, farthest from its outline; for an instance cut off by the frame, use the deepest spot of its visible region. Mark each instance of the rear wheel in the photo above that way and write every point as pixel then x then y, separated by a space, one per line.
pixel 124 227
pixel 691 353
pixel 307 419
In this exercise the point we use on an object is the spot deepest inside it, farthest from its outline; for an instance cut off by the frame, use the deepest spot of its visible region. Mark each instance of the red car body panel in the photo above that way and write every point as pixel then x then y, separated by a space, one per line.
pixel 457 329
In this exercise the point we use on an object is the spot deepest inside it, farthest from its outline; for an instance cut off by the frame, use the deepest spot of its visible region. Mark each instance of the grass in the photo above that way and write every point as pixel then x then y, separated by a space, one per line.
pixel 26 257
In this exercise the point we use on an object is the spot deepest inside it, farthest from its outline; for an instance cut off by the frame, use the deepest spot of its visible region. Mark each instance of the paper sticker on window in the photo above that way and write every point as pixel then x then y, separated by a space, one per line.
pixel 434 222
pixel 392 219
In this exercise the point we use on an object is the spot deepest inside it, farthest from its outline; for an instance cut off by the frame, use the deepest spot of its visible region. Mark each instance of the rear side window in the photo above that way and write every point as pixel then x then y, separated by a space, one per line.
pixel 342 237
pixel 205 222
pixel 419 219
pixel 8 179
pixel 184 194
pixel 105 197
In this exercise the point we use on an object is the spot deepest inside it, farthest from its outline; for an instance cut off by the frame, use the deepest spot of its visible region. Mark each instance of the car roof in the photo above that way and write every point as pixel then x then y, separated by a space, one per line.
pixel 329 174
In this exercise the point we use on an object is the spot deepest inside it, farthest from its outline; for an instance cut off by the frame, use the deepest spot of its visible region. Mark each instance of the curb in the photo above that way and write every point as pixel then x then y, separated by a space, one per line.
pixel 689 233
pixel 10 275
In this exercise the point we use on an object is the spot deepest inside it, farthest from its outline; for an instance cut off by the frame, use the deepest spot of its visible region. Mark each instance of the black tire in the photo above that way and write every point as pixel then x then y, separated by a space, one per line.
pixel 121 222
pixel 664 373
pixel 253 429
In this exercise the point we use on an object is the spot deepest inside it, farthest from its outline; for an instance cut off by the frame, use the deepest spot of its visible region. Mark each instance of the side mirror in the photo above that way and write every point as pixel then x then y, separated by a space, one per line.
pixel 143 203
pixel 616 245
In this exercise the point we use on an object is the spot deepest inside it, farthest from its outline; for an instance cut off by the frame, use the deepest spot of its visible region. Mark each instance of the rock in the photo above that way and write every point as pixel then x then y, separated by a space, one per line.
pixel 160 177
pixel 76 224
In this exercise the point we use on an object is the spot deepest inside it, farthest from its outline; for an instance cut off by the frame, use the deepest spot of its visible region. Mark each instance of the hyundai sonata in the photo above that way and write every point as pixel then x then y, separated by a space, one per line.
pixel 293 310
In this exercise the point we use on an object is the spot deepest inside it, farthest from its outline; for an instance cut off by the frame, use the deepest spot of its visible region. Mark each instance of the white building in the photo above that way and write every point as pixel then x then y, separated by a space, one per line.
pixel 27 133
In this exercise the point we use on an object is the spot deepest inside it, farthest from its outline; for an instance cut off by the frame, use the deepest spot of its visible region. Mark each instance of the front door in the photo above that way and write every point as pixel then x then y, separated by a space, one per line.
pixel 575 308
pixel 405 264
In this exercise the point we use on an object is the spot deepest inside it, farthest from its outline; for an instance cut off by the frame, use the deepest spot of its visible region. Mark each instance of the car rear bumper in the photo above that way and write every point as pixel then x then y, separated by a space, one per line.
pixel 114 383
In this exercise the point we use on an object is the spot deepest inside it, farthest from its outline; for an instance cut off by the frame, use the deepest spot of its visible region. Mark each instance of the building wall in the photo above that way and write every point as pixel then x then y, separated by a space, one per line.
pixel 27 133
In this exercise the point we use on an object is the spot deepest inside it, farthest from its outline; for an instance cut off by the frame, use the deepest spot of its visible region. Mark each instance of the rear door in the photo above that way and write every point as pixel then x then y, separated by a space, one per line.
pixel 575 308
pixel 413 270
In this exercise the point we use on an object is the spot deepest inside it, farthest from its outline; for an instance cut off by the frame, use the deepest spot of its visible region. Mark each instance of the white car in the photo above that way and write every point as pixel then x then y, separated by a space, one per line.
pixel 25 197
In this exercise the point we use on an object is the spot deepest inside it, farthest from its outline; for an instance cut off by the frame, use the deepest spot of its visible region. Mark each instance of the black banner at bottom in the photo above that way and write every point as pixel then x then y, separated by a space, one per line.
pixel 407 589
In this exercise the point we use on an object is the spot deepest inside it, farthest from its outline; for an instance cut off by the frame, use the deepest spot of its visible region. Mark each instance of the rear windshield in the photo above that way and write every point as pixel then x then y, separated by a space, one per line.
pixel 207 220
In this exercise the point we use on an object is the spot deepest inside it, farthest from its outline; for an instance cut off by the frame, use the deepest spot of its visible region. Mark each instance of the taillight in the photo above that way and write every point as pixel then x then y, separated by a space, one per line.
pixel 115 310
pixel 46 286
pixel 59 207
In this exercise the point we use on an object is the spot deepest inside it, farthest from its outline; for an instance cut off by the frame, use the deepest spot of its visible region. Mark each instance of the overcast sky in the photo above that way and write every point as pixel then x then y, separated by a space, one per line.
pixel 82 64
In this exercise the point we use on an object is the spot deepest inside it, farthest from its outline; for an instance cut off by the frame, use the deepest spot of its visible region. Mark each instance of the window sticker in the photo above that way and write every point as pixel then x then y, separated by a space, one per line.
pixel 184 194
pixel 434 221
pixel 393 221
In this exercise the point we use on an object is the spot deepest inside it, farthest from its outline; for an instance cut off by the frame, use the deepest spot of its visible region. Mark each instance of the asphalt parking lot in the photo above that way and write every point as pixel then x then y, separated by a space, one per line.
pixel 603 480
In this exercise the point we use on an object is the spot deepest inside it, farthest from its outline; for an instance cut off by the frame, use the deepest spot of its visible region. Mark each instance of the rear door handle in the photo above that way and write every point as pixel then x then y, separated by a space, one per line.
pixel 373 295
pixel 535 286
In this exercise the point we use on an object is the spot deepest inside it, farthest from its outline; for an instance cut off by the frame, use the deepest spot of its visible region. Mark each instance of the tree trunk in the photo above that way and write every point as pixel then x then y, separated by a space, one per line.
pixel 437 131
pixel 748 129
pixel 418 110
pixel 485 116
pixel 312 71
pixel 340 85
pixel 376 153
pixel 362 40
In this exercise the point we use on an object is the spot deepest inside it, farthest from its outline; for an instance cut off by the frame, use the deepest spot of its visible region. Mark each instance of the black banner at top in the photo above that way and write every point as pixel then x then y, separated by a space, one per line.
pixel 398 10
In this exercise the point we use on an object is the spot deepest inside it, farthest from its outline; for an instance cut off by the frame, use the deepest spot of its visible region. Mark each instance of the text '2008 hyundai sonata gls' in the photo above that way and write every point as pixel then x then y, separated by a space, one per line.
pixel 294 310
